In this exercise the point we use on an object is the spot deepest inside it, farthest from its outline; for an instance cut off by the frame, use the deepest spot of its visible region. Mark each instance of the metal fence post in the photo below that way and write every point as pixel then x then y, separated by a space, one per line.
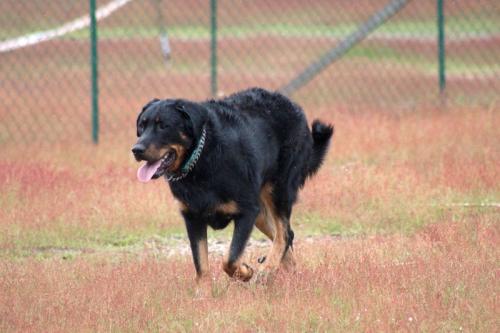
pixel 94 72
pixel 213 47
pixel 441 46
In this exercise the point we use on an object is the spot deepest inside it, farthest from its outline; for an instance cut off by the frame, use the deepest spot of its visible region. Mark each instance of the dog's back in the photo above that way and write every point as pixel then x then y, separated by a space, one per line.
pixel 277 110
pixel 278 119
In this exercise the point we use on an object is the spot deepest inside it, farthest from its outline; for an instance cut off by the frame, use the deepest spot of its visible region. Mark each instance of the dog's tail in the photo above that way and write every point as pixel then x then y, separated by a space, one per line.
pixel 321 133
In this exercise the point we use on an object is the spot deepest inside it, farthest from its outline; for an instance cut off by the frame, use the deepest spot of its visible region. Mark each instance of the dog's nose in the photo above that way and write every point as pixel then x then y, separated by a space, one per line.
pixel 138 149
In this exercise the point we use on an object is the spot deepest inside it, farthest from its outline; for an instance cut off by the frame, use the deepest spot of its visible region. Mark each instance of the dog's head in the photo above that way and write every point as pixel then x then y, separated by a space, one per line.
pixel 166 130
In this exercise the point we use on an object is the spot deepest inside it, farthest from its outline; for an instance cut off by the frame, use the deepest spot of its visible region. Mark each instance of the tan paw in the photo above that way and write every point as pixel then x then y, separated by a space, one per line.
pixel 241 271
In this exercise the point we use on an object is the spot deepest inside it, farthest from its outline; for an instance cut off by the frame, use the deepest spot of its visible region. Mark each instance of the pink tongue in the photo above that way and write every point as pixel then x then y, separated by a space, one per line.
pixel 146 172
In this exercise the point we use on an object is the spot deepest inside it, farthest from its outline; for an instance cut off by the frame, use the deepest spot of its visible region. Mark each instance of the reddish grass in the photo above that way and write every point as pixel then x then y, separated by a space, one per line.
pixel 380 167
pixel 444 278
pixel 407 261
pixel 413 263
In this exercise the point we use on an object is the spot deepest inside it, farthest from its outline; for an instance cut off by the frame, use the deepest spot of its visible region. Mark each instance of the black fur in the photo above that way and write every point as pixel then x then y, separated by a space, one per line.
pixel 254 137
pixel 321 134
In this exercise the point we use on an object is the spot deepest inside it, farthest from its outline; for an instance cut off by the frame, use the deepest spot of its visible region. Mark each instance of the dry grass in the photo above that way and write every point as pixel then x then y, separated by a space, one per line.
pixel 384 173
pixel 444 278
pixel 405 260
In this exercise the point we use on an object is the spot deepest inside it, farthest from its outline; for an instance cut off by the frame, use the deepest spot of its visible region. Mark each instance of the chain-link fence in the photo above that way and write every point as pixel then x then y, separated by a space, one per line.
pixel 330 55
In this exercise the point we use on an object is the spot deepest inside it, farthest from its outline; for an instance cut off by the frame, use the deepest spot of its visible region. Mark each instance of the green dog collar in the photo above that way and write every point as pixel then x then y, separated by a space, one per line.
pixel 192 160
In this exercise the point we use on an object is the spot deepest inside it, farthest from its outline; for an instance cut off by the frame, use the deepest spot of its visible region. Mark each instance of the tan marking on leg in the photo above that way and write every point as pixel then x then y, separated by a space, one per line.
pixel 237 270
pixel 275 255
pixel 203 259
pixel 273 260
pixel 203 281
pixel 183 206
pixel 264 223
pixel 229 208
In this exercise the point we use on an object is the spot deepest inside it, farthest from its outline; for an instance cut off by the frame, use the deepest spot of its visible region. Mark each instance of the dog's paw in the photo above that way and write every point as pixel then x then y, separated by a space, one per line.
pixel 203 288
pixel 288 262
pixel 243 273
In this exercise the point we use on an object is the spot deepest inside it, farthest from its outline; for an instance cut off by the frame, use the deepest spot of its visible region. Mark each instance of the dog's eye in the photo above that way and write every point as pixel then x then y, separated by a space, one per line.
pixel 162 125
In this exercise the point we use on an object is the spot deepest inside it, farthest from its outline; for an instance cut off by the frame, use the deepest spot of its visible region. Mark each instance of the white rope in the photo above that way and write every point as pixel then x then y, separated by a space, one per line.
pixel 469 204
pixel 78 24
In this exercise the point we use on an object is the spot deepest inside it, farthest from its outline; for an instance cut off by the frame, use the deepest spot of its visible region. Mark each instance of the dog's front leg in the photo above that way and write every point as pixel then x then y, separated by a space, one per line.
pixel 197 233
pixel 232 264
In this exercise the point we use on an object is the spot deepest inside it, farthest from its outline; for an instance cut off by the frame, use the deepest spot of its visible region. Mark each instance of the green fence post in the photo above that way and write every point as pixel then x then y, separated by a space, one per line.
pixel 441 46
pixel 213 47
pixel 94 73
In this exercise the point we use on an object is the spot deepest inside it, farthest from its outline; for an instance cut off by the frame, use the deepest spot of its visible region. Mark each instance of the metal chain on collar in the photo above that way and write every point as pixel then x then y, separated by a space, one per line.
pixel 193 159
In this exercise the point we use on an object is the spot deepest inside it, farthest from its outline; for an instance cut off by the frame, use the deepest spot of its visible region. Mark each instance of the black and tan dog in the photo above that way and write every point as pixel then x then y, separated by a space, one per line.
pixel 242 158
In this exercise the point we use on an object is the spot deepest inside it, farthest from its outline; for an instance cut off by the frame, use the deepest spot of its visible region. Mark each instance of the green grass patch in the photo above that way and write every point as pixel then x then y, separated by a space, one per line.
pixel 400 29
pixel 60 238
pixel 371 217
pixel 456 64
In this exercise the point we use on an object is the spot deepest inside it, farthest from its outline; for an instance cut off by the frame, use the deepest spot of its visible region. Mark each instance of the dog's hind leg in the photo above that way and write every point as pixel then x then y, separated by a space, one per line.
pixel 232 263
pixel 265 223
pixel 282 235
pixel 288 260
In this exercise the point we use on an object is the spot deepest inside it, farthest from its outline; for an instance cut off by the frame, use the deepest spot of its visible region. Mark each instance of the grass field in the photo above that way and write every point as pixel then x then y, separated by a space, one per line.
pixel 397 232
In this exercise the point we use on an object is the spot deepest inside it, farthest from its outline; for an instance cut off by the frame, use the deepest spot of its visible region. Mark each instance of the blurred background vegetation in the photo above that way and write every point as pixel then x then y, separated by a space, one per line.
pixel 199 49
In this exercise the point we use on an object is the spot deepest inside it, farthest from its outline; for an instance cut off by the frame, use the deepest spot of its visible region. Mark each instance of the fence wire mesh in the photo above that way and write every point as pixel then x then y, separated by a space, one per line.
pixel 162 48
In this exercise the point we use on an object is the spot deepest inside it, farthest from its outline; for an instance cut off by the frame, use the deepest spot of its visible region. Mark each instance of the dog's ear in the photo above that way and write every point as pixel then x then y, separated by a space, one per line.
pixel 179 106
pixel 144 108
pixel 193 115
pixel 148 104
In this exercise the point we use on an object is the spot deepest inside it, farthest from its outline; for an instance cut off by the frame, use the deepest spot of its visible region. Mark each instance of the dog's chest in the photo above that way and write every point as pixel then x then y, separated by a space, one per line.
pixel 217 216
pixel 206 206
pixel 218 221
